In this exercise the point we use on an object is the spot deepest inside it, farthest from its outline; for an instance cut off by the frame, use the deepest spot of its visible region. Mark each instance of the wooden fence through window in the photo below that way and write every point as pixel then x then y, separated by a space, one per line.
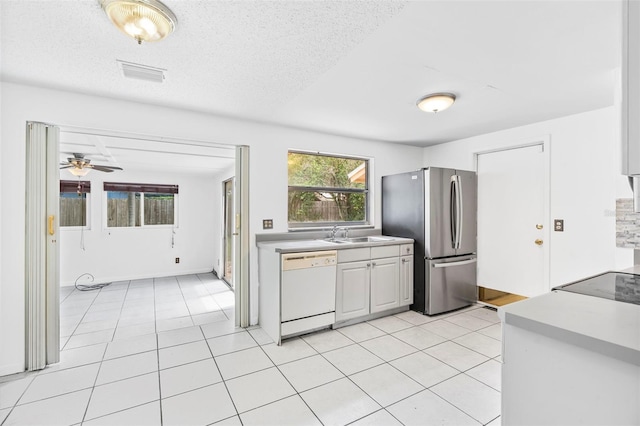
pixel 156 212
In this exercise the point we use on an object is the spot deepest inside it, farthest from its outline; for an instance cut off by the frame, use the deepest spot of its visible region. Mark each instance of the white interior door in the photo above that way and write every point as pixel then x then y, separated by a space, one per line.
pixel 512 221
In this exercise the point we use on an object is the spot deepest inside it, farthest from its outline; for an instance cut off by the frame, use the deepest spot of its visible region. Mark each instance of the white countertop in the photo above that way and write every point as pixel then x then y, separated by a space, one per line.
pixel 633 270
pixel 605 326
pixel 292 246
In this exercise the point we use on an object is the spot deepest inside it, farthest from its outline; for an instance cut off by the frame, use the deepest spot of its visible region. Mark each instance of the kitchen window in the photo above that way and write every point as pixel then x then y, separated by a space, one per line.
pixel 327 190
pixel 74 202
pixel 137 205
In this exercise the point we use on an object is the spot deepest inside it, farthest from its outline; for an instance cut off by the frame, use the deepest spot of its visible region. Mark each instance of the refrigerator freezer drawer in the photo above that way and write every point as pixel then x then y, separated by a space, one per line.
pixel 451 284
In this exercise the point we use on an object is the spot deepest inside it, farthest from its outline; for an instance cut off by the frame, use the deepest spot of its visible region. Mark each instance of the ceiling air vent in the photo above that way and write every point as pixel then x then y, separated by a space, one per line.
pixel 141 72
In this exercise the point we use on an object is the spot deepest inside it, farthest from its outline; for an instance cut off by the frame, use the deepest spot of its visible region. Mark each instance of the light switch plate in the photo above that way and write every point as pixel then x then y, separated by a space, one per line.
pixel 558 225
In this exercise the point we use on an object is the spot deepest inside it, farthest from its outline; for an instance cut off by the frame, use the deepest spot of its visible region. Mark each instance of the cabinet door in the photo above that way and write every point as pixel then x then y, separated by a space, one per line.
pixel 406 280
pixel 352 290
pixel 385 284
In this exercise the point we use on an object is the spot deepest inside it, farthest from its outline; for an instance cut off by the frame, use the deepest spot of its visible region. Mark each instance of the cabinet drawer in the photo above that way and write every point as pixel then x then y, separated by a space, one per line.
pixel 385 251
pixel 406 249
pixel 354 255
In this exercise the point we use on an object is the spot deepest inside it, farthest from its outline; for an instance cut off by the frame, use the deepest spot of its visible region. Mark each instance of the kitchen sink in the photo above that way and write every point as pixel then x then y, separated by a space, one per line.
pixel 359 240
pixel 367 239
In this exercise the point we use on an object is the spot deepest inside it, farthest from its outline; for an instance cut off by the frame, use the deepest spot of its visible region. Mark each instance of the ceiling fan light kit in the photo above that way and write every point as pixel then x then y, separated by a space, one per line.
pixel 144 20
pixel 79 172
pixel 79 166
pixel 436 102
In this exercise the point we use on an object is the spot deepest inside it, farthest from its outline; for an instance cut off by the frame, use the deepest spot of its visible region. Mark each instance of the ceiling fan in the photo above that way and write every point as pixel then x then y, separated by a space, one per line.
pixel 78 165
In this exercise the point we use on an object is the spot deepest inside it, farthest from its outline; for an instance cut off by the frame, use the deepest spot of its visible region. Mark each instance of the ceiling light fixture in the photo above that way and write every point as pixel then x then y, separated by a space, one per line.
pixel 144 20
pixel 436 102
pixel 79 172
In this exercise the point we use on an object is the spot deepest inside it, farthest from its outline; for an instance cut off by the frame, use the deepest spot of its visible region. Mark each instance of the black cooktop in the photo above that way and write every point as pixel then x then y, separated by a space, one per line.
pixel 618 286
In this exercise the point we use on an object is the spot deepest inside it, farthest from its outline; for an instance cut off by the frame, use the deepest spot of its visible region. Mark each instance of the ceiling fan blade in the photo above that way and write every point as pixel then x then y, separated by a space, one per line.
pixel 107 169
pixel 65 166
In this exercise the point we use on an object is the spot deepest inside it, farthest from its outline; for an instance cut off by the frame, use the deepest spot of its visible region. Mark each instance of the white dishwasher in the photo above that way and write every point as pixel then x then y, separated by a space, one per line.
pixel 308 291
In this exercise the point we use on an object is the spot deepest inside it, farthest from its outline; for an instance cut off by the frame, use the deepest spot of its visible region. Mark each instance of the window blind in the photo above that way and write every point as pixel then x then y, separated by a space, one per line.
pixel 72 186
pixel 140 187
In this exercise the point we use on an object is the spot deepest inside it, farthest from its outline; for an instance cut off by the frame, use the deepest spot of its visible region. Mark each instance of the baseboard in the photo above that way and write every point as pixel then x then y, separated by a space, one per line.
pixel 9 369
pixel 137 277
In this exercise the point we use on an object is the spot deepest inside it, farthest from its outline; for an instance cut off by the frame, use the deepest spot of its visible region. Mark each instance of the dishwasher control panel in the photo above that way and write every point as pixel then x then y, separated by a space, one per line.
pixel 312 259
pixel 323 262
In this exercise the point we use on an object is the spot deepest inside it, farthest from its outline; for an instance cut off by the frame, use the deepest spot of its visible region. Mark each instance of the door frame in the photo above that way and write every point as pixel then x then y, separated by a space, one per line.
pixel 242 249
pixel 241 263
pixel 545 142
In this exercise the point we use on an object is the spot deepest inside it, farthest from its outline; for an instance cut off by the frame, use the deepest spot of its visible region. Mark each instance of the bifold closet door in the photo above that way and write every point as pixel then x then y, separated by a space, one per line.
pixel 42 277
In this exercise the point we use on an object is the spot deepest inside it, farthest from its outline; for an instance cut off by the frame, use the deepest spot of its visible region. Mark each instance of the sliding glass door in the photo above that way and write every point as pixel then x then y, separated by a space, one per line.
pixel 227 273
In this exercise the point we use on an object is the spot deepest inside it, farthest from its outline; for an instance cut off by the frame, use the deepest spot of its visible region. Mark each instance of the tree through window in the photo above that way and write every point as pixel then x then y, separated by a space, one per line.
pixel 327 190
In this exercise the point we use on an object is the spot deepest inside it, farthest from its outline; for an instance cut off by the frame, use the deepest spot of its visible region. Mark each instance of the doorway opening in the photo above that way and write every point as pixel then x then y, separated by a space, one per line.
pixel 110 254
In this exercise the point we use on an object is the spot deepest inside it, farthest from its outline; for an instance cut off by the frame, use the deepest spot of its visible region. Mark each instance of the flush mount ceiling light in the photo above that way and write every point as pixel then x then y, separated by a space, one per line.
pixel 436 102
pixel 144 20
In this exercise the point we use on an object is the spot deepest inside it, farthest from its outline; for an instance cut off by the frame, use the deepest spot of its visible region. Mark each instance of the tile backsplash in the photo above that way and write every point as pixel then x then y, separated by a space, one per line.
pixel 627 224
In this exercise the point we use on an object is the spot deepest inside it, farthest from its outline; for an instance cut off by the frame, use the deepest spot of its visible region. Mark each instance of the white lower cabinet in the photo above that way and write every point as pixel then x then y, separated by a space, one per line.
pixel 352 290
pixel 372 280
pixel 385 284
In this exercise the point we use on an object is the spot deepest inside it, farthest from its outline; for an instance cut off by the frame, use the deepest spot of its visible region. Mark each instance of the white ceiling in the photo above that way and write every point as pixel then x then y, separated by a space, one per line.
pixel 347 67
pixel 145 152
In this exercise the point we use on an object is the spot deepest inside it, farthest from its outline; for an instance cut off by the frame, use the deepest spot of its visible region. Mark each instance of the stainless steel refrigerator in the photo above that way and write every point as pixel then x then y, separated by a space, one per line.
pixel 437 208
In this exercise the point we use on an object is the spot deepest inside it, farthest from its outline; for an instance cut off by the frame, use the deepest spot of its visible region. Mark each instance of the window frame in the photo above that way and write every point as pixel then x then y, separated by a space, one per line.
pixel 140 188
pixel 366 223
pixel 65 183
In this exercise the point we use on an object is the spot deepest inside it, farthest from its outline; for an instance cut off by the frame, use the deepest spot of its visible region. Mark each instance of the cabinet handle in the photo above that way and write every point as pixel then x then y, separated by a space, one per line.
pixel 368 265
pixel 404 260
pixel 374 263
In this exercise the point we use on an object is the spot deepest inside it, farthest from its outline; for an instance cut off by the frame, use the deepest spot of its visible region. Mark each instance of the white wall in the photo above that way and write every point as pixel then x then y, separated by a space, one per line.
pixel 585 181
pixel 113 254
pixel 267 170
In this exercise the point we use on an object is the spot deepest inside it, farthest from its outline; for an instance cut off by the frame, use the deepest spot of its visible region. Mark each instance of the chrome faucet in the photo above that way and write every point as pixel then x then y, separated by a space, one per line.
pixel 333 232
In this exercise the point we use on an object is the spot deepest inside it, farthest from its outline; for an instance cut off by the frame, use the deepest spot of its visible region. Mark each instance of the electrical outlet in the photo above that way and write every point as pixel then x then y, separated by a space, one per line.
pixel 267 223
pixel 177 260
pixel 558 225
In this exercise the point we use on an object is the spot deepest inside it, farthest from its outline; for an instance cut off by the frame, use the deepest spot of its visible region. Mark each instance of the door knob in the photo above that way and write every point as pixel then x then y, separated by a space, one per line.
pixel 539 226
pixel 538 242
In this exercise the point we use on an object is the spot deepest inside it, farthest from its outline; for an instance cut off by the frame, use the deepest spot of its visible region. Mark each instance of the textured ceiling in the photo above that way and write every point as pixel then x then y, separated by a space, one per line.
pixel 145 152
pixel 352 68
